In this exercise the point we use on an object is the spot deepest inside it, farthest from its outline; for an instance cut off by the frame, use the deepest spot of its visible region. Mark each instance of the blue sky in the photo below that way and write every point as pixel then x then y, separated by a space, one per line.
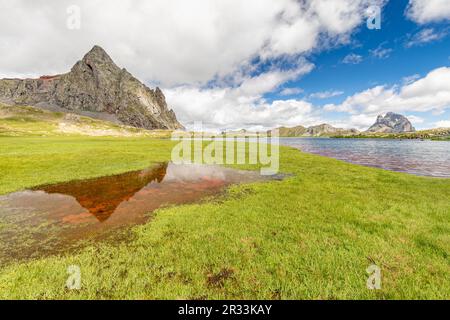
pixel 253 64
pixel 402 59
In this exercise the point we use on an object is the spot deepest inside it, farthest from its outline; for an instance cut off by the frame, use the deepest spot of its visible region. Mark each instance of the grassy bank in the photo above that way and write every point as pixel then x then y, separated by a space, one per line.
pixel 441 134
pixel 311 235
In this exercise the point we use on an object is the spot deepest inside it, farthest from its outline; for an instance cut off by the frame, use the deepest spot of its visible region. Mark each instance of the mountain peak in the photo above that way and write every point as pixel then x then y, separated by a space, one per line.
pixel 96 87
pixel 97 55
pixel 392 123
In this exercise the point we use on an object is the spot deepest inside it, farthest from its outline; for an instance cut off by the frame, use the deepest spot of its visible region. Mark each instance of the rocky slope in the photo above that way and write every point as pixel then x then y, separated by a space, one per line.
pixel 32 121
pixel 391 123
pixel 322 130
pixel 94 87
pixel 297 131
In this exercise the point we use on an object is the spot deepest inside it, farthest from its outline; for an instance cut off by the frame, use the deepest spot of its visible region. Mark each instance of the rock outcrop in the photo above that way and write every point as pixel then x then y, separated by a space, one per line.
pixel 392 123
pixel 94 87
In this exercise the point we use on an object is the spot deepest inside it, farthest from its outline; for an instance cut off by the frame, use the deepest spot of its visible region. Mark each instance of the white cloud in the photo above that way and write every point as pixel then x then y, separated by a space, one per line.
pixel 381 53
pixel 424 11
pixel 352 58
pixel 425 36
pixel 242 106
pixel 415 119
pixel 169 41
pixel 443 124
pixel 428 94
pixel 219 109
pixel 291 91
pixel 361 121
pixel 326 94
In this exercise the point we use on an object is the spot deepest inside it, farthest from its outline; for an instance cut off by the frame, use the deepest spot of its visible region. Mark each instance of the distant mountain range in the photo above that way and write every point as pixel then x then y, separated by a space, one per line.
pixel 95 87
pixel 389 123
pixel 315 131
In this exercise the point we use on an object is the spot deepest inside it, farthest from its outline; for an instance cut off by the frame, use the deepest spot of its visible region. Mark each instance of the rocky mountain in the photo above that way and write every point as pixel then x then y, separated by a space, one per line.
pixel 322 130
pixel 94 87
pixel 391 123
pixel 297 131
pixel 327 130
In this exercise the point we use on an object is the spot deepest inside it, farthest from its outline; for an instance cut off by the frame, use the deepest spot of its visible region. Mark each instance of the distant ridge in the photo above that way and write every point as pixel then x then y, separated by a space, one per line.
pixel 322 130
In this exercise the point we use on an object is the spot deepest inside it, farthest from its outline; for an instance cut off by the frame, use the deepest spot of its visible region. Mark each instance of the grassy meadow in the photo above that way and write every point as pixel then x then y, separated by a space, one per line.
pixel 309 236
pixel 28 121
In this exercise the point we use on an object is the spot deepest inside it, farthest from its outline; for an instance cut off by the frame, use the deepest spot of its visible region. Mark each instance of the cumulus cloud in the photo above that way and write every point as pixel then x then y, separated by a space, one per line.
pixel 169 41
pixel 425 11
pixel 430 93
pixel 415 119
pixel 242 106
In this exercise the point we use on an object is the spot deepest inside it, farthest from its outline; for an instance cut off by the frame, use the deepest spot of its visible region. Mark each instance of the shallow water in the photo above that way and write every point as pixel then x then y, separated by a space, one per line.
pixel 55 218
pixel 424 158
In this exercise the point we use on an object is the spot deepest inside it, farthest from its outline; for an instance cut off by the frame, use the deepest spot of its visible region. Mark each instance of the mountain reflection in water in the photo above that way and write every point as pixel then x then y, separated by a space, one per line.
pixel 102 196
pixel 51 219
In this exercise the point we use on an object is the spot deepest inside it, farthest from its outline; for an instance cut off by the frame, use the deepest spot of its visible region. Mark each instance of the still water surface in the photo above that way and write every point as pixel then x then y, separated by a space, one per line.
pixel 424 158
pixel 54 218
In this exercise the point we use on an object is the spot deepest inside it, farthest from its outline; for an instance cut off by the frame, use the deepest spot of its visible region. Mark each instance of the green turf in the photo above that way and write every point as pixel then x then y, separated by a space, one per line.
pixel 311 235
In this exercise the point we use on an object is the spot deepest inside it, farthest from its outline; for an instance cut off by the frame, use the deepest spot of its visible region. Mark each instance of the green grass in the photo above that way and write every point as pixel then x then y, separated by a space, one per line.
pixel 430 134
pixel 26 162
pixel 310 236
pixel 441 139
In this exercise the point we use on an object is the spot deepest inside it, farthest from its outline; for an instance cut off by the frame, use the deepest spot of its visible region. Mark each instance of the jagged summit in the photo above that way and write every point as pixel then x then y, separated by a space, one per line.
pixel 95 87
pixel 392 123
pixel 97 51
pixel 98 57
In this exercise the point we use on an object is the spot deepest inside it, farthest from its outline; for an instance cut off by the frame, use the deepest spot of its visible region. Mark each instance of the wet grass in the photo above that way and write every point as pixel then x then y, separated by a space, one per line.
pixel 28 162
pixel 311 235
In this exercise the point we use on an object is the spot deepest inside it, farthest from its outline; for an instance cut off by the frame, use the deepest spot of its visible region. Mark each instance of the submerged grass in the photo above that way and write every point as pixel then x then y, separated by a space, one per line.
pixel 311 235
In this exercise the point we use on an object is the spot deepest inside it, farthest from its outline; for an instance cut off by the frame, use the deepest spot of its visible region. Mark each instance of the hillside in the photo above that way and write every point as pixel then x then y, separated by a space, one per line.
pixel 31 121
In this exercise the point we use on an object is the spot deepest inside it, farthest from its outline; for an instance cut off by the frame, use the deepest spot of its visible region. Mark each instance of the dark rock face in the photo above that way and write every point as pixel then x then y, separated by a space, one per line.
pixel 392 123
pixel 96 87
